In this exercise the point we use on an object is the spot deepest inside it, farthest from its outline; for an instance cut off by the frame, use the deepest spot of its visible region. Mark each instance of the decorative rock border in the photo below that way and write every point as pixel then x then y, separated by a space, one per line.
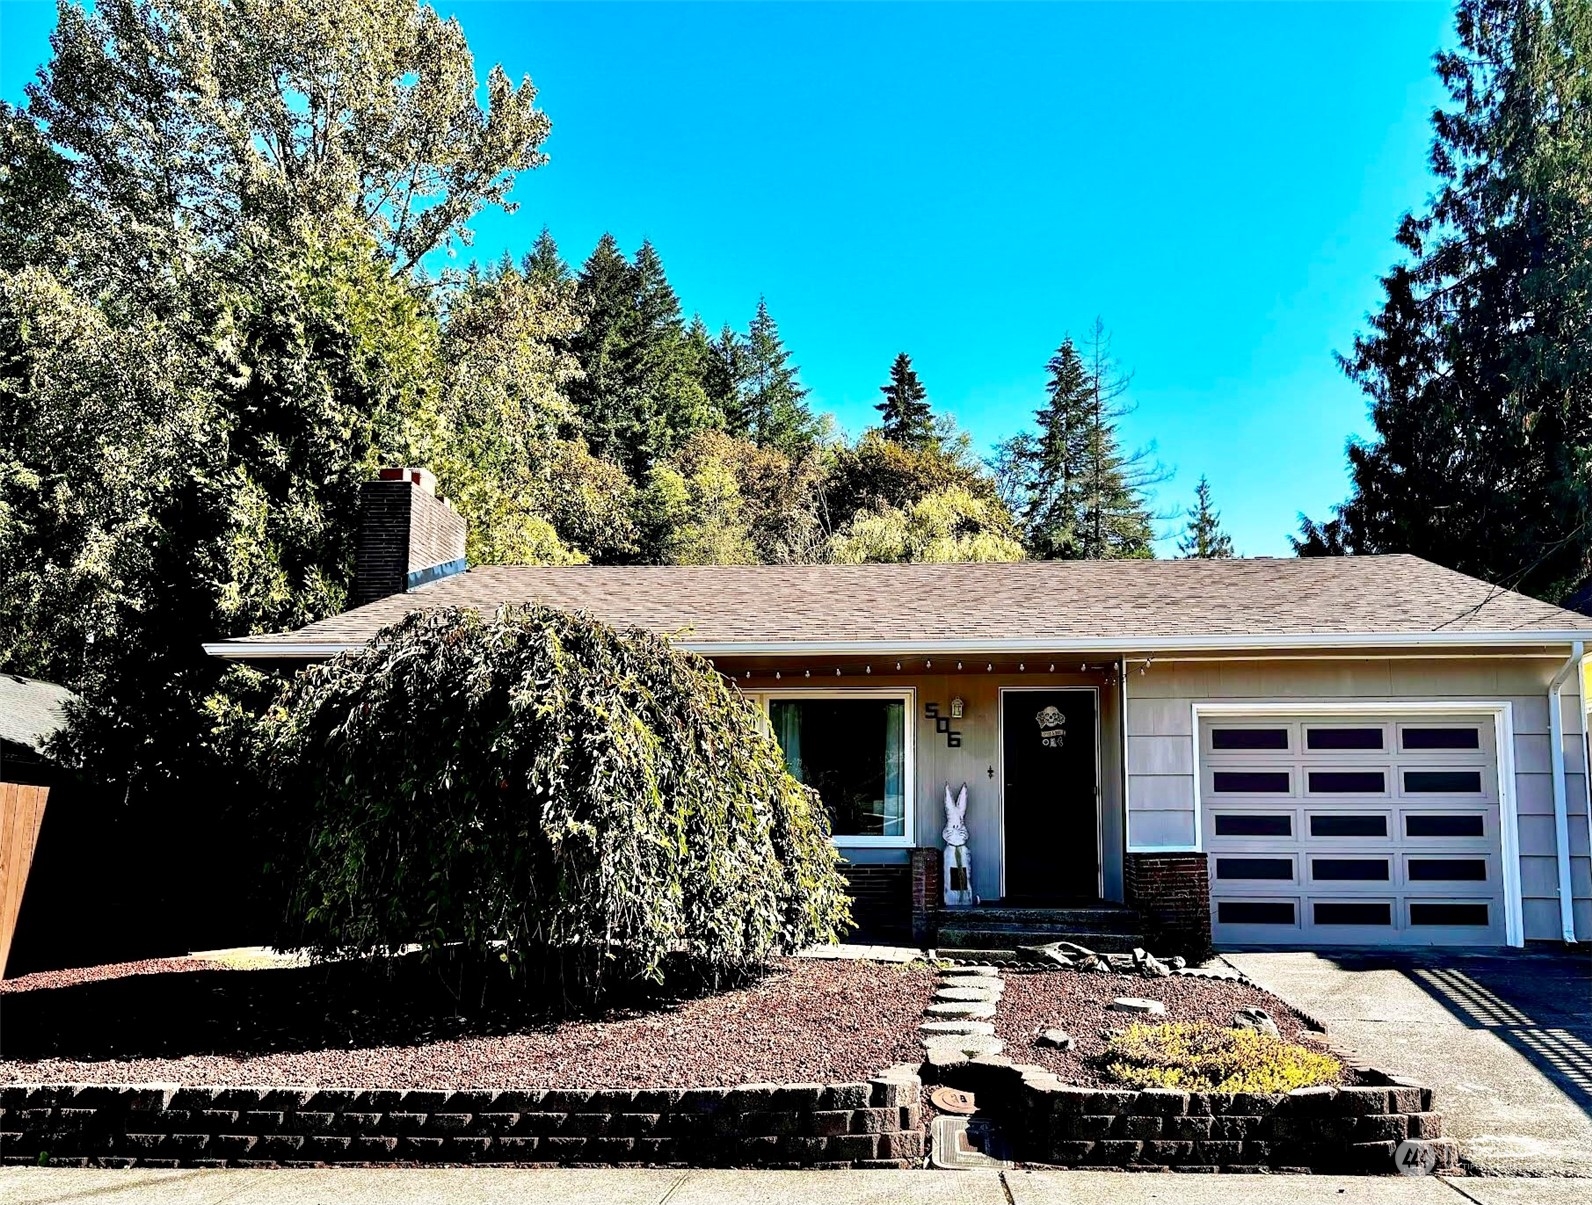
pixel 877 1124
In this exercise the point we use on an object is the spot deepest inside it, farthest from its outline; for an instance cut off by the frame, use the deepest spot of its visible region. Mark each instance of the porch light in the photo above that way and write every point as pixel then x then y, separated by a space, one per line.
pixel 956 707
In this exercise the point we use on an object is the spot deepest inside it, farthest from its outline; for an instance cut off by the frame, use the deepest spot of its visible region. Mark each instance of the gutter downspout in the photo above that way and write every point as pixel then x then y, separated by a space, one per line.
pixel 1561 805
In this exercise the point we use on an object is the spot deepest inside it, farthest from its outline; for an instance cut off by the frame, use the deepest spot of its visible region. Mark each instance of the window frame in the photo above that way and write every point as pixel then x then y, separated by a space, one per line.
pixel 907 695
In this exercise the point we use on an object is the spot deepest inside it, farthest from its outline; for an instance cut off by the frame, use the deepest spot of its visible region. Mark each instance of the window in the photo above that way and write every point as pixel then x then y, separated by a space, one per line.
pixel 1255 912
pixel 1353 782
pixel 1343 738
pixel 1418 825
pixel 1441 738
pixel 1364 870
pixel 1249 738
pixel 1448 914
pixel 1442 782
pixel 1353 914
pixel 1448 870
pixel 1254 868
pixel 1240 825
pixel 854 751
pixel 1251 782
pixel 1348 826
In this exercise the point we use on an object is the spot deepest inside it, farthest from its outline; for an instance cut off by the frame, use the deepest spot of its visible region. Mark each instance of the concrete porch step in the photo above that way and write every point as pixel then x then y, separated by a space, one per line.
pixel 987 940
pixel 1104 918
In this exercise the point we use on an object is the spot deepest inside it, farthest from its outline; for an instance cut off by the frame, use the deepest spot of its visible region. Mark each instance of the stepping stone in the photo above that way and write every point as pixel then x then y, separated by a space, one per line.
pixel 1133 1004
pixel 957 972
pixel 961 1008
pixel 966 1047
pixel 1059 1038
pixel 989 995
pixel 946 1029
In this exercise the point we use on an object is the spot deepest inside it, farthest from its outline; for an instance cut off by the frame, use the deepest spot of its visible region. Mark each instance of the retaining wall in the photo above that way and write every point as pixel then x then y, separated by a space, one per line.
pixel 872 1124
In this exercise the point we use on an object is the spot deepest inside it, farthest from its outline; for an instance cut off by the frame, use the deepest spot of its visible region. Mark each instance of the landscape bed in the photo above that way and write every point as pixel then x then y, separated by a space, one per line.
pixel 807 1021
pixel 1080 1005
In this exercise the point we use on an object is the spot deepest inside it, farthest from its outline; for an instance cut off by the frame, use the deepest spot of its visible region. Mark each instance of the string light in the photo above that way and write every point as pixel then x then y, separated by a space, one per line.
pixel 990 668
pixel 898 667
pixel 837 671
pixel 1021 667
pixel 807 673
pixel 1052 667
pixel 867 669
pixel 958 665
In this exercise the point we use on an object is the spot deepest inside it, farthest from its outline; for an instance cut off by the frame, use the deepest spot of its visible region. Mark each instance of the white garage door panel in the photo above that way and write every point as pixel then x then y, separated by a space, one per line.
pixel 1375 830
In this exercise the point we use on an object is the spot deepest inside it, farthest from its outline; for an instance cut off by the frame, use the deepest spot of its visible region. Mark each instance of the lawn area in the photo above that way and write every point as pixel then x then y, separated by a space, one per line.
pixel 342 1025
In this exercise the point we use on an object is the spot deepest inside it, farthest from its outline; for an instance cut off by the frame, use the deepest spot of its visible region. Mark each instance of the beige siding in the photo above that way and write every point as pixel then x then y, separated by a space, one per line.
pixel 1160 747
pixel 976 762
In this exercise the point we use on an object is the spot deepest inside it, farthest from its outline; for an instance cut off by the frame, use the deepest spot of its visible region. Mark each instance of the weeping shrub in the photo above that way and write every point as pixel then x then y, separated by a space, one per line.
pixel 538 789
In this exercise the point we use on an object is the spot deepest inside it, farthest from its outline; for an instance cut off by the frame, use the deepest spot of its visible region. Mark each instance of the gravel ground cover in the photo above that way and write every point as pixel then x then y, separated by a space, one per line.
pixel 45 980
pixel 1078 1003
pixel 807 1021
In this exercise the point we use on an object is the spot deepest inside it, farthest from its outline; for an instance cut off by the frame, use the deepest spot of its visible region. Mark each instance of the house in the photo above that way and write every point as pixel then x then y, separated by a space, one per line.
pixel 1286 752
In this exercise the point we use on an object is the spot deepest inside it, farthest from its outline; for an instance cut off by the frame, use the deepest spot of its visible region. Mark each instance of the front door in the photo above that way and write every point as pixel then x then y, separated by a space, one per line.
pixel 1048 751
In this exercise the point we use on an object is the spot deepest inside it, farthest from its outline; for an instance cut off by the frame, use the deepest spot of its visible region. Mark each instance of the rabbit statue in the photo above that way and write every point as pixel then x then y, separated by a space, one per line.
pixel 958 862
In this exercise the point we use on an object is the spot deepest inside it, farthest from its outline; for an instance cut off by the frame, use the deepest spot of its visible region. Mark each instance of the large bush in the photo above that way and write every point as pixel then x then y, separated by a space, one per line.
pixel 541 790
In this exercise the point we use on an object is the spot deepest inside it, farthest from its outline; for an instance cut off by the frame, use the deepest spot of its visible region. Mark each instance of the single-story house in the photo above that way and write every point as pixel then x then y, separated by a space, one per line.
pixel 1288 752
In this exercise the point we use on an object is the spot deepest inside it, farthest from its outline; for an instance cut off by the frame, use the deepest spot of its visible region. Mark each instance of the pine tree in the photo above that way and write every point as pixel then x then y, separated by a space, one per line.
pixel 908 418
pixel 1205 538
pixel 724 376
pixel 775 411
pixel 1478 366
pixel 1077 495
pixel 543 263
pixel 603 395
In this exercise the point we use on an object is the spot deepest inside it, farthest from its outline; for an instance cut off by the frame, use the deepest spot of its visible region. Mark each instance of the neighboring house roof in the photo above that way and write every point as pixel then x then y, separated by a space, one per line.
pixel 1097 605
pixel 31 711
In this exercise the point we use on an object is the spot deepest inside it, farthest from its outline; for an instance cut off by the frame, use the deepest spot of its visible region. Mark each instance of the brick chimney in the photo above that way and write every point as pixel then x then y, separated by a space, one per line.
pixel 407 535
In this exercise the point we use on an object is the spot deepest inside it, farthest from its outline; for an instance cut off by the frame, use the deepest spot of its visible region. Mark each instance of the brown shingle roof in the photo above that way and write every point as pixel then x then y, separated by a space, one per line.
pixel 1155 603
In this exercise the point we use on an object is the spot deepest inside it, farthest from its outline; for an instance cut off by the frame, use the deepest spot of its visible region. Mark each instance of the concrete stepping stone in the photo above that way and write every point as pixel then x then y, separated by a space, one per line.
pixel 990 995
pixel 967 1047
pixel 953 1028
pixel 1133 1004
pixel 983 972
pixel 975 1010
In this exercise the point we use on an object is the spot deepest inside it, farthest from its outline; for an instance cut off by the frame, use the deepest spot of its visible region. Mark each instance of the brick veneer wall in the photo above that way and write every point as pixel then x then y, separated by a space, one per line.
pixel 1172 892
pixel 403 527
pixel 873 1124
pixel 927 889
pixel 880 902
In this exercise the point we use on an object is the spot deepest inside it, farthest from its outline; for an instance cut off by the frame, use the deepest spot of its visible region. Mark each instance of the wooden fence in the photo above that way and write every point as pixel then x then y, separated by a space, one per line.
pixel 21 813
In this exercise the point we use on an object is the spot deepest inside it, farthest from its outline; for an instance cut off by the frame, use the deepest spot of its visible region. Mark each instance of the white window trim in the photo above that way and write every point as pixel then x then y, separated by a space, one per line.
pixel 907 695
pixel 1503 715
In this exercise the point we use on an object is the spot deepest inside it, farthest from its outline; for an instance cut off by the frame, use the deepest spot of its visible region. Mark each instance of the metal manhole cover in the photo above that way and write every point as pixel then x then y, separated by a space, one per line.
pixel 953 1100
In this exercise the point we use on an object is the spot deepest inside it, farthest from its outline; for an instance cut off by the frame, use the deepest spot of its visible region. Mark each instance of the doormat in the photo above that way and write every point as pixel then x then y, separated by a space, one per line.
pixel 967 1143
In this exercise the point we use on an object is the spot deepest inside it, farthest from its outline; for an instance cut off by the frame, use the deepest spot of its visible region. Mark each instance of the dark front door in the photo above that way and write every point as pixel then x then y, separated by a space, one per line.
pixel 1048 747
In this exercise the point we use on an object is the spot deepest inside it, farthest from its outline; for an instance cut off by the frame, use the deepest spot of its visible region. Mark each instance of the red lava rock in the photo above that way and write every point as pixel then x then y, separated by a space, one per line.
pixel 45 980
pixel 809 1021
pixel 1080 1004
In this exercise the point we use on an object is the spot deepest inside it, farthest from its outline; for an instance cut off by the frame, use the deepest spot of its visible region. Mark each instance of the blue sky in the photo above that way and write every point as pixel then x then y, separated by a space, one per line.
pixel 969 183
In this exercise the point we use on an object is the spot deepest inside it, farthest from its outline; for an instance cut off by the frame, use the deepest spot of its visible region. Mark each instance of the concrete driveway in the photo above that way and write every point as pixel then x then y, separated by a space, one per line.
pixel 1504 1037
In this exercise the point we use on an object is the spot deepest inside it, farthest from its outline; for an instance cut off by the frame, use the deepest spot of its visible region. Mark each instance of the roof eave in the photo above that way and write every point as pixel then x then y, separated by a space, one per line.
pixel 301 650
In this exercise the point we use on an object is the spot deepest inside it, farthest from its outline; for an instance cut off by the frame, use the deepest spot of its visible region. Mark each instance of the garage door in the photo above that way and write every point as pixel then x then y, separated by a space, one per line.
pixel 1352 831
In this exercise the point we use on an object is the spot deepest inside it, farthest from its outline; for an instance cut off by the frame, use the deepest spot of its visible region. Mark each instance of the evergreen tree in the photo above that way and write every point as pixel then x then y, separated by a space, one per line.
pixel 908 419
pixel 1478 366
pixel 543 263
pixel 1205 538
pixel 1077 495
pixel 640 395
pixel 724 376
pixel 774 410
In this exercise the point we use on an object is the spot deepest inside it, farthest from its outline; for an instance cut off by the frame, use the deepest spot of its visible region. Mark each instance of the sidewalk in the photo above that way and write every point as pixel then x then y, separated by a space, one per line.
pixel 496 1186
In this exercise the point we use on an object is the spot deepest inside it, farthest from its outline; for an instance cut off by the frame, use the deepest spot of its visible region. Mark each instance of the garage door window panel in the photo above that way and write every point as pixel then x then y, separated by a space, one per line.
pixel 1450 915
pixel 1357 912
pixel 1252 782
pixel 1257 912
pixel 1256 869
pixel 1346 782
pixel 1437 825
pixel 1372 825
pixel 1351 870
pixel 1244 738
pixel 1425 738
pixel 1442 782
pixel 1253 824
pixel 1447 870
pixel 1359 738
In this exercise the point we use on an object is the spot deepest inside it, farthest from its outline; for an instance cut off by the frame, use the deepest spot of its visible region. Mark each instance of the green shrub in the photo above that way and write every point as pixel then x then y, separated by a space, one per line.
pixel 1202 1057
pixel 538 789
